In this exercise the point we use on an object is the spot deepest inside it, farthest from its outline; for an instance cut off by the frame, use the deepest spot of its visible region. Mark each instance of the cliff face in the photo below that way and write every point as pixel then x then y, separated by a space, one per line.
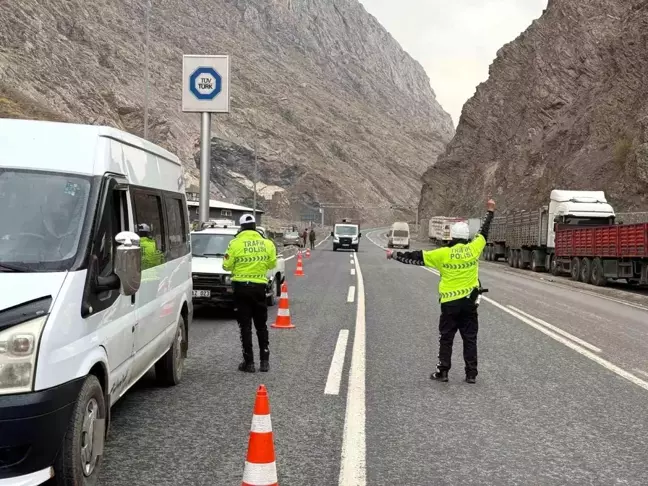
pixel 565 106
pixel 339 111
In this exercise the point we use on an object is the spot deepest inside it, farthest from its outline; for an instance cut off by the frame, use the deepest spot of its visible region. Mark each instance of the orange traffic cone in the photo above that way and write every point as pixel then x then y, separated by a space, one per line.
pixel 260 465
pixel 299 271
pixel 283 313
pixel 308 253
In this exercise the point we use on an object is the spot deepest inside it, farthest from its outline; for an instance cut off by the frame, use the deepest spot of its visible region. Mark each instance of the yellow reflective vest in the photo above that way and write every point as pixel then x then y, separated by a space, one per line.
pixel 249 256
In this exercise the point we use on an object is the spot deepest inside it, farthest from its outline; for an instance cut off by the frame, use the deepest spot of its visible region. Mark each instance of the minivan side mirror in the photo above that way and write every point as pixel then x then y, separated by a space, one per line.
pixel 332 234
pixel 128 262
pixel 359 235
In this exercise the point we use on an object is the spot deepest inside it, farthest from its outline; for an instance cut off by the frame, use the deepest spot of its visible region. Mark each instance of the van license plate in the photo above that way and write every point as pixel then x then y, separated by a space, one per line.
pixel 201 293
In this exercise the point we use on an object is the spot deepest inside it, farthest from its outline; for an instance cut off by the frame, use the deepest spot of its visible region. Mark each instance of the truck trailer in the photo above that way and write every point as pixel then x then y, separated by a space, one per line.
pixel 526 239
pixel 596 254
pixel 439 228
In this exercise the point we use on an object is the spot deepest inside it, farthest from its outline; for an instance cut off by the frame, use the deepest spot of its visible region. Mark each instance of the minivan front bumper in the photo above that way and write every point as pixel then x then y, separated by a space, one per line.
pixel 32 429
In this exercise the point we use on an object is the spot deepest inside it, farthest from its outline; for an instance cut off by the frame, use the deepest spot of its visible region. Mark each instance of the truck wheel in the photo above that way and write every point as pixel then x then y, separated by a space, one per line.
pixel 597 278
pixel 522 263
pixel 487 254
pixel 511 260
pixel 77 462
pixel 518 259
pixel 586 270
pixel 553 264
pixel 575 269
pixel 168 370
pixel 534 262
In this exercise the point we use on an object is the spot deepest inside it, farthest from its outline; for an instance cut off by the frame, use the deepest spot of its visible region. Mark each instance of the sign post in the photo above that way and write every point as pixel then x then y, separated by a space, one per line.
pixel 205 90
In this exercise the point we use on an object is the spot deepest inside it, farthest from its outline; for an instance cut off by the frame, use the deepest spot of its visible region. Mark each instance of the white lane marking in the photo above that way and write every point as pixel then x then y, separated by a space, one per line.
pixel 353 271
pixel 337 364
pixel 351 294
pixel 570 344
pixel 433 270
pixel 353 466
pixel 641 372
pixel 318 244
pixel 585 344
pixel 371 239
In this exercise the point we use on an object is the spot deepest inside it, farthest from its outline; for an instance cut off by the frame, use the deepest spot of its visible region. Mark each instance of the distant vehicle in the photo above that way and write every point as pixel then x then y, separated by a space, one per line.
pixel 399 235
pixel 346 234
pixel 211 284
pixel 439 229
pixel 293 238
pixel 88 305
pixel 526 239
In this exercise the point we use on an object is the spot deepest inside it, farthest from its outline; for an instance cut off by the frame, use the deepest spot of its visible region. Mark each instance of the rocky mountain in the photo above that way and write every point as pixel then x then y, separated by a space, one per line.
pixel 337 110
pixel 565 106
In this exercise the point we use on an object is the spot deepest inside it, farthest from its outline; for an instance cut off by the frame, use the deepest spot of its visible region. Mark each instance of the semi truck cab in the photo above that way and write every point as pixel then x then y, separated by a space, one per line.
pixel 580 208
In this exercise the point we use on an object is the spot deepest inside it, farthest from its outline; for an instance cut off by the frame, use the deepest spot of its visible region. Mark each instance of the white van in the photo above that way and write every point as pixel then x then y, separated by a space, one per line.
pixel 88 305
pixel 399 235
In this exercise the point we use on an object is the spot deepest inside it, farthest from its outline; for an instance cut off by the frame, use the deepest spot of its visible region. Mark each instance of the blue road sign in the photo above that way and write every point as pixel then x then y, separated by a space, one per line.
pixel 205 83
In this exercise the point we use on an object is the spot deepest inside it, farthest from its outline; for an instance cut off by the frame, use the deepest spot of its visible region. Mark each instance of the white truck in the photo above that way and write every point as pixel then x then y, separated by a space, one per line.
pixel 439 228
pixel 526 239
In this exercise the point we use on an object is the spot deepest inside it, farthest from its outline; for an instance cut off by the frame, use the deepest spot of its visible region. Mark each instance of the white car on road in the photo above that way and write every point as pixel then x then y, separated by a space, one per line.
pixel 211 284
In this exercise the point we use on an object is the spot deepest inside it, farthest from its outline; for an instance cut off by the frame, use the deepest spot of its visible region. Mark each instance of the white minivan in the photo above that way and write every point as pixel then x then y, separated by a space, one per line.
pixel 95 272
pixel 399 235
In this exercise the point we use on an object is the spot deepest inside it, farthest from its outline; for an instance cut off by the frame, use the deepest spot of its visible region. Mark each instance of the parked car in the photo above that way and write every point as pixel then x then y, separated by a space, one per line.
pixel 293 238
pixel 211 284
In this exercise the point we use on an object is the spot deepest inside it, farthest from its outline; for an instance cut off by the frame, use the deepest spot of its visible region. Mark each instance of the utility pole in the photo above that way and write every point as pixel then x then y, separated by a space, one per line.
pixel 256 176
pixel 146 70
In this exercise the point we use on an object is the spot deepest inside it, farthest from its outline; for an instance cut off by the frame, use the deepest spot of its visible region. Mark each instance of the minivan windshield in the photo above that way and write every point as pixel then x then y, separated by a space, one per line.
pixel 41 218
pixel 346 230
pixel 401 234
pixel 209 245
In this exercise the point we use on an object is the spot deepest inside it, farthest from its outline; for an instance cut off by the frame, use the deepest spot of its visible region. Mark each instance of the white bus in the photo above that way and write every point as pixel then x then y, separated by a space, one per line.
pixel 95 271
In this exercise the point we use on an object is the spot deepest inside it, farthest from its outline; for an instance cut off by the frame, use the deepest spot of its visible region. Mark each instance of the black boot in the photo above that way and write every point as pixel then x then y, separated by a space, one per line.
pixel 470 379
pixel 439 376
pixel 265 366
pixel 247 367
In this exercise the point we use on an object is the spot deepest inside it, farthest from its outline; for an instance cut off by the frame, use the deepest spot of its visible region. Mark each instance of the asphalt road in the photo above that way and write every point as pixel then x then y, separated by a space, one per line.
pixel 560 397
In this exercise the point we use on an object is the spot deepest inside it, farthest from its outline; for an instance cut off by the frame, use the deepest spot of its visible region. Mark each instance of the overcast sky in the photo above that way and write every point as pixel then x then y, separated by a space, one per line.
pixel 455 40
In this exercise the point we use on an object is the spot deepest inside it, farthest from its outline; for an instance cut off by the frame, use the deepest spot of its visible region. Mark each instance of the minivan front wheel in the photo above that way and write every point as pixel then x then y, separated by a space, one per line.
pixel 168 371
pixel 78 461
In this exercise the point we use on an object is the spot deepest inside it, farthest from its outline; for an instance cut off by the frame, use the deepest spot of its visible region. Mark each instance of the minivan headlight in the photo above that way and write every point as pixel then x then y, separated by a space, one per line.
pixel 228 279
pixel 18 353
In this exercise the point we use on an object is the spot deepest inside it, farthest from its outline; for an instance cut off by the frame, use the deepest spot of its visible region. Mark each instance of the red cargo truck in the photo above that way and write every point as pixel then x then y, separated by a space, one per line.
pixel 596 254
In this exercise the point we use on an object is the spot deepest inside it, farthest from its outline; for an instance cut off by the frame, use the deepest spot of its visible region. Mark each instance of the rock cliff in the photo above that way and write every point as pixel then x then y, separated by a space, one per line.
pixel 338 110
pixel 565 106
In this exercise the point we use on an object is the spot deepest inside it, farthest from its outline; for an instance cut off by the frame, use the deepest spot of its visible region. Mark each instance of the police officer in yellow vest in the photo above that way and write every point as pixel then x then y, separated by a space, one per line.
pixel 151 257
pixel 249 256
pixel 459 289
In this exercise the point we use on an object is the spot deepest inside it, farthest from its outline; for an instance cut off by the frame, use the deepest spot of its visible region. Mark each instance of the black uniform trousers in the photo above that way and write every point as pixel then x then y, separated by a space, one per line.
pixel 458 315
pixel 251 306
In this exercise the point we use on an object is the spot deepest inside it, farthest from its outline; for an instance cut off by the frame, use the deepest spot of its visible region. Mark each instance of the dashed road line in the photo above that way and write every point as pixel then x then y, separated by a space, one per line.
pixel 351 294
pixel 337 364
pixel 353 271
pixel 353 464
